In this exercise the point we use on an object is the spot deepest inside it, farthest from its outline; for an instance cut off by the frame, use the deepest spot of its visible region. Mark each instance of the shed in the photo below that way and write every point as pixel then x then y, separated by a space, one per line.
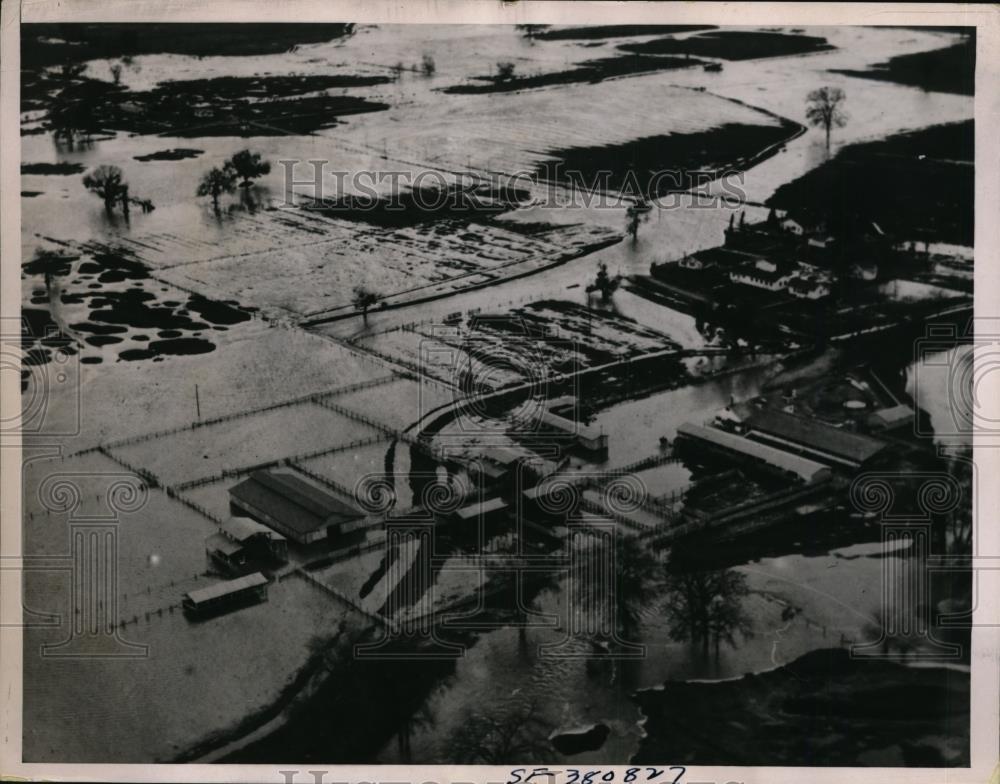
pixel 249 589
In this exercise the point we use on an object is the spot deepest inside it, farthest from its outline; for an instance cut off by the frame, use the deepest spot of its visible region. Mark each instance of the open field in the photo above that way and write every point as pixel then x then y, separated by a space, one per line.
pixel 101 405
pixel 247 441
pixel 160 556
pixel 348 467
pixel 399 404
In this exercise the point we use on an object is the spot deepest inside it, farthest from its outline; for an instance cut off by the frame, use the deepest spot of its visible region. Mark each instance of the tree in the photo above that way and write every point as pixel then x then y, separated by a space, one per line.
pixel 106 181
pixel 248 166
pixel 823 110
pixel 116 72
pixel 487 739
pixel 604 283
pixel 636 582
pixel 363 299
pixel 636 576
pixel 706 607
pixel 216 182
pixel 427 65
pixel 505 70
pixel 633 218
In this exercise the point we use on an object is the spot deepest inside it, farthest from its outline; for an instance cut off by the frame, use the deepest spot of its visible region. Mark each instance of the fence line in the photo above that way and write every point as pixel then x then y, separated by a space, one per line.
pixel 382 620
pixel 313 397
pixel 229 473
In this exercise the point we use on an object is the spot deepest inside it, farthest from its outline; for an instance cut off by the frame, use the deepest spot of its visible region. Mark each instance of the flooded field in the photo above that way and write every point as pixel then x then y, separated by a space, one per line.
pixel 201 339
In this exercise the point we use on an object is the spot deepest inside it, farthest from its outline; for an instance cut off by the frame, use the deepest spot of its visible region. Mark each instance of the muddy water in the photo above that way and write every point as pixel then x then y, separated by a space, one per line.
pixel 500 668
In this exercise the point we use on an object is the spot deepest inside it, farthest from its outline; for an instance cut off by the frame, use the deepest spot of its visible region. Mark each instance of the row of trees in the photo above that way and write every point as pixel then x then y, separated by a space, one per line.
pixel 243 168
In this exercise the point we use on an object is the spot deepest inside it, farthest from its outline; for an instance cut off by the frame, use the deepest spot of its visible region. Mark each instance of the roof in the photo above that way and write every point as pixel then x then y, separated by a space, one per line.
pixel 505 455
pixel 570 426
pixel 549 485
pixel 723 256
pixel 242 528
pixel 481 508
pixel 779 458
pixel 803 284
pixel 751 270
pixel 813 434
pixel 219 590
pixel 223 544
pixel 300 505
pixel 894 414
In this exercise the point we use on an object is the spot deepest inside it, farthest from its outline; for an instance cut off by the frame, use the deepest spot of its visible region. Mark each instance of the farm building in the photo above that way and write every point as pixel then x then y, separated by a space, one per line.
pixel 806 288
pixel 586 436
pixel 293 506
pixel 762 274
pixel 242 541
pixel 713 257
pixel 891 418
pixel 753 451
pixel 249 589
pixel 812 438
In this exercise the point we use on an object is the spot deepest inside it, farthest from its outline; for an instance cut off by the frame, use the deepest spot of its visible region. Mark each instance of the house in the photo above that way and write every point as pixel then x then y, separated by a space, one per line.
pixel 808 288
pixel 241 542
pixel 762 274
pixel 295 507
pixel 715 257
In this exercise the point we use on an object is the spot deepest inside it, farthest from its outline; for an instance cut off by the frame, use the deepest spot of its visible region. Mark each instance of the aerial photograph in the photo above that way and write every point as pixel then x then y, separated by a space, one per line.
pixel 520 394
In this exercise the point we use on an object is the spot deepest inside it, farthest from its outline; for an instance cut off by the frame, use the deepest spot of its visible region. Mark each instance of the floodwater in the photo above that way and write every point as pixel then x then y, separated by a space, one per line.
pixel 797 602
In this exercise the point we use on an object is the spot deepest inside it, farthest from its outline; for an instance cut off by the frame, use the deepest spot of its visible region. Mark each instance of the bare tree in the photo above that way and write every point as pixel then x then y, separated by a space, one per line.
pixel 488 739
pixel 107 182
pixel 823 110
pixel 427 65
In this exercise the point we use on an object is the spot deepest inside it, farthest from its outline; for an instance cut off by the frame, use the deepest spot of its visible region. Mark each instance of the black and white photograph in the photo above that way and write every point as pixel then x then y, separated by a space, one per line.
pixel 585 394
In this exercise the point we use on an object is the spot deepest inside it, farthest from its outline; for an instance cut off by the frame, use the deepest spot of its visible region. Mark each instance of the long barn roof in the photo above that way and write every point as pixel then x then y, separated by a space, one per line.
pixel 297 504
pixel 779 458
pixel 815 435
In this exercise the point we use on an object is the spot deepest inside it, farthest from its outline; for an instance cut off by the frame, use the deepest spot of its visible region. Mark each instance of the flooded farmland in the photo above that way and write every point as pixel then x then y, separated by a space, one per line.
pixel 356 257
